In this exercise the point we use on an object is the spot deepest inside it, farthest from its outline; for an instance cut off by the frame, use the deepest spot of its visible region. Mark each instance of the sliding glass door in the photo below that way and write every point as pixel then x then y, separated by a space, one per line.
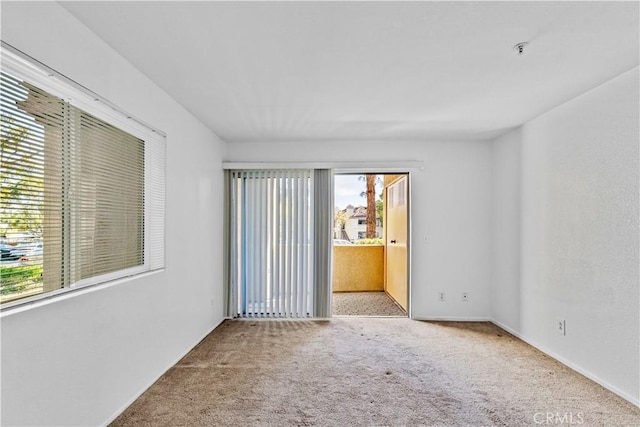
pixel 273 228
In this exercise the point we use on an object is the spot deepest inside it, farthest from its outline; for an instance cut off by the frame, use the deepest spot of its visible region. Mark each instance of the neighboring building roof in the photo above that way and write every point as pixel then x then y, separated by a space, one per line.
pixel 359 212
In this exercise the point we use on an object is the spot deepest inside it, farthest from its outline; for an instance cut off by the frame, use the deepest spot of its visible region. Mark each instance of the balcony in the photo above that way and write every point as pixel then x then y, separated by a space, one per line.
pixel 358 268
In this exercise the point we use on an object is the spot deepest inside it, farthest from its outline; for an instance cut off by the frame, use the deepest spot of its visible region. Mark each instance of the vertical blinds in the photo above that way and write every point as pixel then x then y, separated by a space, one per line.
pixel 79 185
pixel 271 269
pixel 323 239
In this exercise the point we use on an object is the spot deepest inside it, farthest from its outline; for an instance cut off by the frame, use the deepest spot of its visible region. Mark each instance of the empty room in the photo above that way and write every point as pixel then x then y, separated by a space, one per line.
pixel 173 247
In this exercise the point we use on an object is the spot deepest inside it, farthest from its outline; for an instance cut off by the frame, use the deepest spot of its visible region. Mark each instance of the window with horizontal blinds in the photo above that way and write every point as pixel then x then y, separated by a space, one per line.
pixel 82 198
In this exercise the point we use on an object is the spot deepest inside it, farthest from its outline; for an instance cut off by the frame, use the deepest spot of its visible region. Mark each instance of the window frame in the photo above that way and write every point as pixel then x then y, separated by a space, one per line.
pixel 28 69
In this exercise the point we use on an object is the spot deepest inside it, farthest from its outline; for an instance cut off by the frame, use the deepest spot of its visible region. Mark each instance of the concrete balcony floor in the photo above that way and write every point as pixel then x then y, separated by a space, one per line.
pixel 365 304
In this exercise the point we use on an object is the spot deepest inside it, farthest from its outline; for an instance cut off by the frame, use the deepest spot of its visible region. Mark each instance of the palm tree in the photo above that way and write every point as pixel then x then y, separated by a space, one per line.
pixel 370 194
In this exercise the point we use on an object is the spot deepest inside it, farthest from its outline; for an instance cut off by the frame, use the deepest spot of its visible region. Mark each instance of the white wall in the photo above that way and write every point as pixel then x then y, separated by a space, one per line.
pixel 566 245
pixel 450 205
pixel 81 359
pixel 505 295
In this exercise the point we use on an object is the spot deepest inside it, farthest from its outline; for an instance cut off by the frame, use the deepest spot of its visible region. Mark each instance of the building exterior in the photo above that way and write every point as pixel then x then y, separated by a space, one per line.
pixel 355 224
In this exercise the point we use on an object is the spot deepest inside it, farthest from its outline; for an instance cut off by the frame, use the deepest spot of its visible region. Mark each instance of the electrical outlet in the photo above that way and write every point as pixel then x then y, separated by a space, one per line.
pixel 561 327
pixel 441 296
pixel 465 297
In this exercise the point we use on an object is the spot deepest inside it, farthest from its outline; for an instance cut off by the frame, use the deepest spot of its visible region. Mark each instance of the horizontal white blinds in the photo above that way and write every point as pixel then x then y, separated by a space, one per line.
pixel 89 193
pixel 107 196
pixel 271 218
pixel 154 200
pixel 23 187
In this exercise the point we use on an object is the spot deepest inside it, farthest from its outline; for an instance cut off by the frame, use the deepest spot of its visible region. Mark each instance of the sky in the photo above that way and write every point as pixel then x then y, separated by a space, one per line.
pixel 347 191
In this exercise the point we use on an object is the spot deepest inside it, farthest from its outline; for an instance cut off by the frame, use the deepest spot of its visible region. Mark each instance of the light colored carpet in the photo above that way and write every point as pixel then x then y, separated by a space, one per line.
pixel 364 304
pixel 371 372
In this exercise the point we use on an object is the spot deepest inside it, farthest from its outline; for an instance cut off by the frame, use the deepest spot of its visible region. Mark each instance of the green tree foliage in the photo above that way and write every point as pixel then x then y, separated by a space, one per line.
pixel 20 278
pixel 373 241
pixel 340 219
pixel 21 180
pixel 380 207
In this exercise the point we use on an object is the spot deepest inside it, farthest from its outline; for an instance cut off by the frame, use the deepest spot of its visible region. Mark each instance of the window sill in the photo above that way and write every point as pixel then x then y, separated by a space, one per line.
pixel 67 293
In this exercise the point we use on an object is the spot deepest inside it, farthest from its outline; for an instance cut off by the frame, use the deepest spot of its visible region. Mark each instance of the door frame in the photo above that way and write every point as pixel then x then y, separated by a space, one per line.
pixel 408 167
pixel 388 171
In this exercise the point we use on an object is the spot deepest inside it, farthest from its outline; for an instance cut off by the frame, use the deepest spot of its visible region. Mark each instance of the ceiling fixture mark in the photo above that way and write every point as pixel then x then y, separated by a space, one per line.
pixel 519 48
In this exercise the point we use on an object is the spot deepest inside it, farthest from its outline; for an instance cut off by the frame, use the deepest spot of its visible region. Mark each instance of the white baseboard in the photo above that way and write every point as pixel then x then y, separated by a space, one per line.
pixel 508 329
pixel 451 319
pixel 626 396
pixel 134 398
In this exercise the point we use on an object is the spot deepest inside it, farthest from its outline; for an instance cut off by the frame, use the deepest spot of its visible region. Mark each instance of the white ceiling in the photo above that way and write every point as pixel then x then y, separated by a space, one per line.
pixel 286 71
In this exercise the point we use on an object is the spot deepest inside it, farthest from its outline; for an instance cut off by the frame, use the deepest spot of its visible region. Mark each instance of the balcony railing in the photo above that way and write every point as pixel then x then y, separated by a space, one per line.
pixel 358 268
